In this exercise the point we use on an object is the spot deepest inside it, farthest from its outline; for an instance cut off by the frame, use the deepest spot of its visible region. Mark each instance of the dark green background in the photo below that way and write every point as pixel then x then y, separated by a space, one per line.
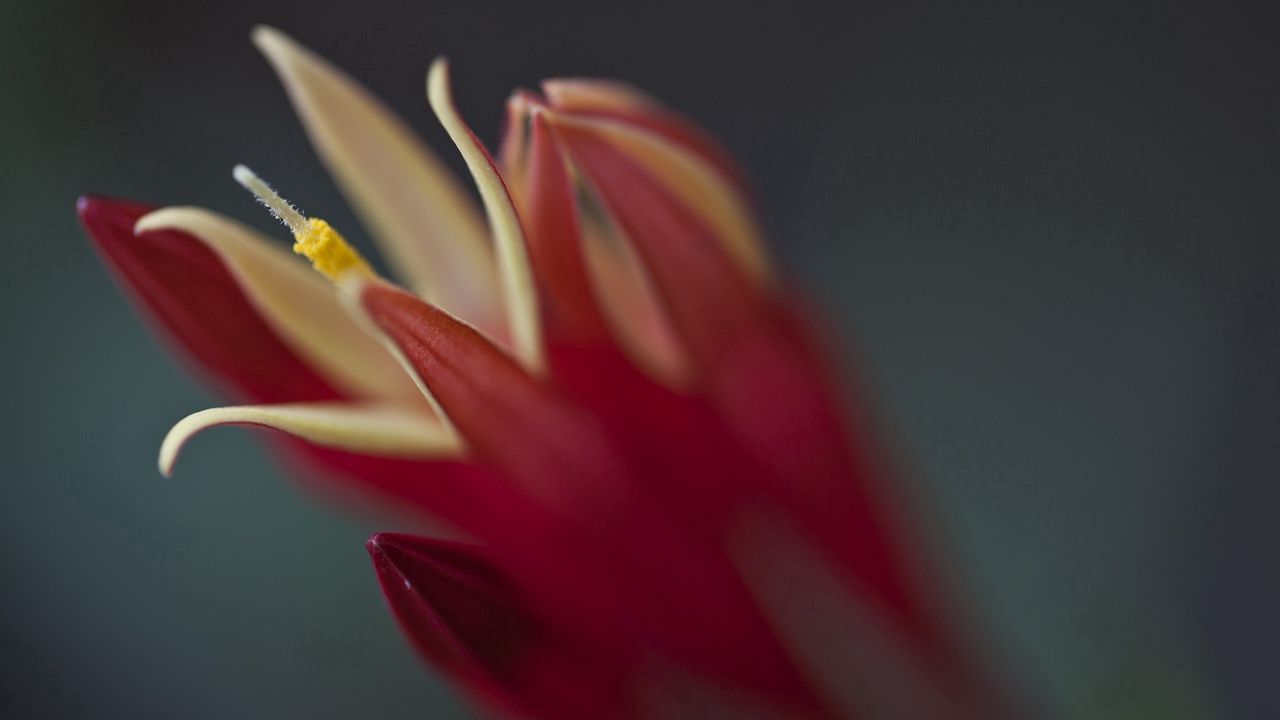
pixel 1048 235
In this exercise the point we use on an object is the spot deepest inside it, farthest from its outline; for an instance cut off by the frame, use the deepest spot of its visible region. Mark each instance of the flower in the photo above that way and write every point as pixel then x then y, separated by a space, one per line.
pixel 608 391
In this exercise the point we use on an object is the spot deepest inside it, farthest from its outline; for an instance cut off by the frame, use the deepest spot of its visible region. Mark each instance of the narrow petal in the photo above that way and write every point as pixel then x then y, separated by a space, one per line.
pixel 621 101
pixel 505 415
pixel 703 189
pixel 187 289
pixel 595 289
pixel 425 223
pixel 554 228
pixel 710 300
pixel 467 618
pixel 632 307
pixel 597 94
pixel 362 428
pixel 514 146
pixel 301 306
pixel 518 293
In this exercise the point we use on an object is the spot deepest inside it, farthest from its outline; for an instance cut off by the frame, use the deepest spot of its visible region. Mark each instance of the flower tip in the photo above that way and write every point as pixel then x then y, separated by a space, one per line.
pixel 170 448
pixel 109 222
pixel 266 37
pixel 380 543
pixel 438 82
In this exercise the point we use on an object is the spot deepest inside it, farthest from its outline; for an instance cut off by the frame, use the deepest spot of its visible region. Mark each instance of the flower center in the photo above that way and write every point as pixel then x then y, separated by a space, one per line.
pixel 315 239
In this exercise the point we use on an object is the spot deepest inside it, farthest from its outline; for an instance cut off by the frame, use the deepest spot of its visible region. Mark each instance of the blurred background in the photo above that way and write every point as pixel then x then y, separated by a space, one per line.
pixel 1047 235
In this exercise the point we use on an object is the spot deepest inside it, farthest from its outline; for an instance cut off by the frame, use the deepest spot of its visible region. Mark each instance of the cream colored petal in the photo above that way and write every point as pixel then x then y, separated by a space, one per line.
pixel 371 429
pixel 700 186
pixel 301 306
pixel 587 94
pixel 626 294
pixel 425 222
pixel 516 276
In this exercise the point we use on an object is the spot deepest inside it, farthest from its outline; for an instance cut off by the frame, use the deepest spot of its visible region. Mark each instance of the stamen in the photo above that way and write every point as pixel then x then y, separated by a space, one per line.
pixel 315 239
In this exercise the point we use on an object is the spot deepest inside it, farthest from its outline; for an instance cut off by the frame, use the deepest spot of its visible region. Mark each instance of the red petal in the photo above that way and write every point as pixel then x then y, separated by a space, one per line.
pixel 187 291
pixel 708 299
pixel 554 240
pixel 507 417
pixel 194 300
pixel 582 353
pixel 467 618
pixel 647 113
pixel 623 573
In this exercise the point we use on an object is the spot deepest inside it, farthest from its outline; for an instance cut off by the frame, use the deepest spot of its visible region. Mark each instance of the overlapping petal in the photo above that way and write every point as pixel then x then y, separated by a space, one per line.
pixel 515 276
pixel 422 218
pixel 301 306
pixel 186 288
pixel 617 400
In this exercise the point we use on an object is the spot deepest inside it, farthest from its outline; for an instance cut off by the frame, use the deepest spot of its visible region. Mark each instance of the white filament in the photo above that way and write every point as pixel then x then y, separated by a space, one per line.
pixel 281 209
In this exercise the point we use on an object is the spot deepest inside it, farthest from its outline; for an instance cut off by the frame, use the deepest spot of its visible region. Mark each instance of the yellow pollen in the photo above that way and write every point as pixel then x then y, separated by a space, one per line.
pixel 328 251
pixel 314 238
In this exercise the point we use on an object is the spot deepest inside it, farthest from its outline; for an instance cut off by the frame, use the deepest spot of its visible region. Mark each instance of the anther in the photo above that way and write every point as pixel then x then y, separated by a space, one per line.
pixel 314 238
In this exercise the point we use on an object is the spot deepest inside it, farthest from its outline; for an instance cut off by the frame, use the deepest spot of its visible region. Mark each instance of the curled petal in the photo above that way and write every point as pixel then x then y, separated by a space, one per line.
pixel 370 429
pixel 425 222
pixel 515 275
pixel 301 306
pixel 198 302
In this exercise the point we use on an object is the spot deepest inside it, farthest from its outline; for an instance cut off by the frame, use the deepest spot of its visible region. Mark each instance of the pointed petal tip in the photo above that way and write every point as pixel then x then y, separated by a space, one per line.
pixel 381 543
pixel 439 68
pixel 376 546
pixel 97 211
pixel 267 38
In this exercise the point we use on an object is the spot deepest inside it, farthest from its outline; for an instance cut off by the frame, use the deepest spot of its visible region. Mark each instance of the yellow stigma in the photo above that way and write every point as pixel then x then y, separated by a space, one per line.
pixel 314 238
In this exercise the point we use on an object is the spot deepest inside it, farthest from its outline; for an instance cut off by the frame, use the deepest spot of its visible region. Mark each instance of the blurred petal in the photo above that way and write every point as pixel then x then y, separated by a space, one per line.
pixel 553 224
pixel 424 221
pixel 632 308
pixel 595 289
pixel 516 277
pixel 596 94
pixel 386 430
pixel 711 303
pixel 698 185
pixel 624 102
pixel 853 653
pixel 513 148
pixel 302 307
pixel 189 291
pixel 467 618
